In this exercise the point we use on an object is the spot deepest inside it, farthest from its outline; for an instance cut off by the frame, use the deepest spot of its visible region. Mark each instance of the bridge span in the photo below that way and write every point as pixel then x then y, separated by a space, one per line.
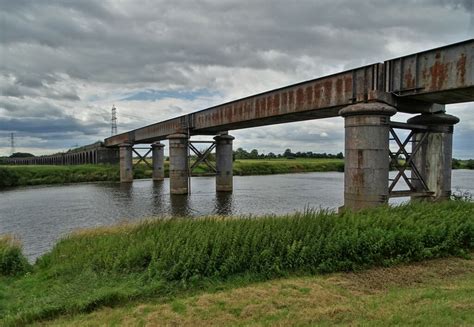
pixel 366 97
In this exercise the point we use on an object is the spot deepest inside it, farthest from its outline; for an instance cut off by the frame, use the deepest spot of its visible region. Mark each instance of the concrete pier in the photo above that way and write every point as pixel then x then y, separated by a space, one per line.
pixel 224 163
pixel 126 163
pixel 366 154
pixel 434 157
pixel 158 157
pixel 179 183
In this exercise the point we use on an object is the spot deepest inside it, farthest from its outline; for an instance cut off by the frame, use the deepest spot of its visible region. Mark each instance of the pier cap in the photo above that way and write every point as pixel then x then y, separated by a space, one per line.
pixel 157 144
pixel 370 108
pixel 434 119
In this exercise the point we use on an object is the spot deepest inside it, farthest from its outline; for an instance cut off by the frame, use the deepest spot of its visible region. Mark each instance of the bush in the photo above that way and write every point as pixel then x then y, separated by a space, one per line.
pixel 271 246
pixel 12 261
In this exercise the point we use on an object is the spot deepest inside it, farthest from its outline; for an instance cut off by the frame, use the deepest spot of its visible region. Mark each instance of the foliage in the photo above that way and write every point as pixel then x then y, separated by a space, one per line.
pixel 46 174
pixel 441 289
pixel 462 164
pixel 157 258
pixel 12 261
pixel 240 153
pixel 22 155
pixel 284 166
pixel 469 164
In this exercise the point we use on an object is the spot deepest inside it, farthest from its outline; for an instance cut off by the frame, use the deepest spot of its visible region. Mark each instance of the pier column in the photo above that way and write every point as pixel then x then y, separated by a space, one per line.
pixel 126 163
pixel 224 175
pixel 434 157
pixel 366 154
pixel 158 159
pixel 178 163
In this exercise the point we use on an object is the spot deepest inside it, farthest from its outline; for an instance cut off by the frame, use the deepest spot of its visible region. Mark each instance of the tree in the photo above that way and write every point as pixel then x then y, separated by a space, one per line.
pixel 21 155
pixel 470 164
pixel 288 153
pixel 254 154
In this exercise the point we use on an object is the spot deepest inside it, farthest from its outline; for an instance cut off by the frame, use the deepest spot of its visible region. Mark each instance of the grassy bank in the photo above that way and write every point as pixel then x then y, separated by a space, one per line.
pixel 431 293
pixel 164 260
pixel 37 175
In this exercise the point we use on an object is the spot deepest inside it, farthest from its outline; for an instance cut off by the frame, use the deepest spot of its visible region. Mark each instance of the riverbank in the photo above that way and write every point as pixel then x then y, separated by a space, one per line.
pixel 165 261
pixel 43 174
pixel 440 289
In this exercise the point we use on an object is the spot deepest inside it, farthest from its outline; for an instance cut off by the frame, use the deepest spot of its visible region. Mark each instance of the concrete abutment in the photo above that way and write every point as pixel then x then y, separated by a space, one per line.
pixel 224 163
pixel 178 170
pixel 366 154
pixel 434 157
pixel 158 159
pixel 126 163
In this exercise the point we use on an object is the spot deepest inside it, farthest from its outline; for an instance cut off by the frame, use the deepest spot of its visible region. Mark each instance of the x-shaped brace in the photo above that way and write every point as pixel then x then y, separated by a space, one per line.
pixel 142 158
pixel 408 161
pixel 202 156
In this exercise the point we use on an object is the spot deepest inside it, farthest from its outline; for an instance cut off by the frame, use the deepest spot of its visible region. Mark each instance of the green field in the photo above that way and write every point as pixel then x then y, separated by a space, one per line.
pixel 44 174
pixel 431 293
pixel 170 263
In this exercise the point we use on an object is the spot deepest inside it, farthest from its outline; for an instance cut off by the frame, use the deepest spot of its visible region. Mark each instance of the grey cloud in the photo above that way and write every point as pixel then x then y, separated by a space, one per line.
pixel 44 127
pixel 55 54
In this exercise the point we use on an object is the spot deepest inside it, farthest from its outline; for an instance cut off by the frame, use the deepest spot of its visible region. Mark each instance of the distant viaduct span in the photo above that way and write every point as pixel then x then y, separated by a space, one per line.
pixel 366 97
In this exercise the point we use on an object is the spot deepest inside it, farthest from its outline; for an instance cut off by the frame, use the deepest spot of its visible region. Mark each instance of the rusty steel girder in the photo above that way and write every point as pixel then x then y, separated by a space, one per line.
pixel 443 75
pixel 411 83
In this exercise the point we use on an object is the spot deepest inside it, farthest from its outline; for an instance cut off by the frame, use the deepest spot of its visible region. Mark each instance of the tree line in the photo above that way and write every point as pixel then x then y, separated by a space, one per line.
pixel 240 153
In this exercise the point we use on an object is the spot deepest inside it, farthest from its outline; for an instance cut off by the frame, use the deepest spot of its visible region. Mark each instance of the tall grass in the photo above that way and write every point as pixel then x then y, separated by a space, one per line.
pixel 312 242
pixel 109 265
pixel 12 261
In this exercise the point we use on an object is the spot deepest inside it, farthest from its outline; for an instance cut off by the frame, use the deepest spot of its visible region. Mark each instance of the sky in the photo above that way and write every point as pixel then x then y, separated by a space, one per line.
pixel 63 64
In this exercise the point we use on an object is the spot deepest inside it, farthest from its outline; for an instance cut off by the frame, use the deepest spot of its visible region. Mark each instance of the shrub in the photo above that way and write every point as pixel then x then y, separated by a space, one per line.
pixel 12 261
pixel 182 249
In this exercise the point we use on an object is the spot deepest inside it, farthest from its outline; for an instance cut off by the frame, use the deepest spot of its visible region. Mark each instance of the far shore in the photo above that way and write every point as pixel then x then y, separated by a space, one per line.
pixel 11 175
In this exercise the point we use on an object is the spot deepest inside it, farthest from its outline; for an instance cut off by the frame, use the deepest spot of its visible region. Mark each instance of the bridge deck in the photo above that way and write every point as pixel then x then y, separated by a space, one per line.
pixel 442 75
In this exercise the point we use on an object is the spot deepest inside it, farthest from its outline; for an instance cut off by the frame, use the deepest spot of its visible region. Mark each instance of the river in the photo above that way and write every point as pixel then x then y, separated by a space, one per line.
pixel 41 215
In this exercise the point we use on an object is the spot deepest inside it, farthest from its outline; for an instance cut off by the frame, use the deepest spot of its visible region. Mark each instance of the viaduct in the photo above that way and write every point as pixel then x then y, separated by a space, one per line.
pixel 366 97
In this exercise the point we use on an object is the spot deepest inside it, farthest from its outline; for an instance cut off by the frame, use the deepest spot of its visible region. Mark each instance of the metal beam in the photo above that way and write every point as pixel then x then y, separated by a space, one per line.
pixel 412 83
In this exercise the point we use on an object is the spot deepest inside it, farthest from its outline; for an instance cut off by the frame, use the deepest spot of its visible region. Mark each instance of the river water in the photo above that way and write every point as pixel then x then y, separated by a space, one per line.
pixel 40 215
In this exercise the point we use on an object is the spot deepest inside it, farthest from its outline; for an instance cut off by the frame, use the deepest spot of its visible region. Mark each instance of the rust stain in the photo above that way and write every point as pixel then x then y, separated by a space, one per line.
pixel 327 92
pixel 291 99
pixel 284 100
pixel 439 74
pixel 339 85
pixel 270 104
pixel 317 94
pixel 348 83
pixel 276 103
pixel 409 79
pixel 260 107
pixel 299 98
pixel 360 158
pixel 461 69
pixel 309 95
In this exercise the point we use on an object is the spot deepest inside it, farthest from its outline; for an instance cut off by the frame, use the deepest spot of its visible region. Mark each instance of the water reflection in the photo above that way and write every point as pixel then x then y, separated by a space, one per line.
pixel 180 205
pixel 40 215
pixel 223 203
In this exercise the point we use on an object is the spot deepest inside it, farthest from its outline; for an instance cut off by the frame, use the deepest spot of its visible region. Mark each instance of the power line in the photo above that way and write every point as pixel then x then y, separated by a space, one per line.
pixel 12 142
pixel 114 120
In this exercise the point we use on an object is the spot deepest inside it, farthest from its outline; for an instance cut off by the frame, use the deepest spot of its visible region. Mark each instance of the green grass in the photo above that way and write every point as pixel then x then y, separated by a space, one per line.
pixel 284 166
pixel 168 258
pixel 431 293
pixel 46 174
pixel 12 262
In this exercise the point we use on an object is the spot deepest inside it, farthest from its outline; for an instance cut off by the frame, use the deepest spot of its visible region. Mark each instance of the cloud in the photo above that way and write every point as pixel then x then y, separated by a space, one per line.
pixel 64 63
